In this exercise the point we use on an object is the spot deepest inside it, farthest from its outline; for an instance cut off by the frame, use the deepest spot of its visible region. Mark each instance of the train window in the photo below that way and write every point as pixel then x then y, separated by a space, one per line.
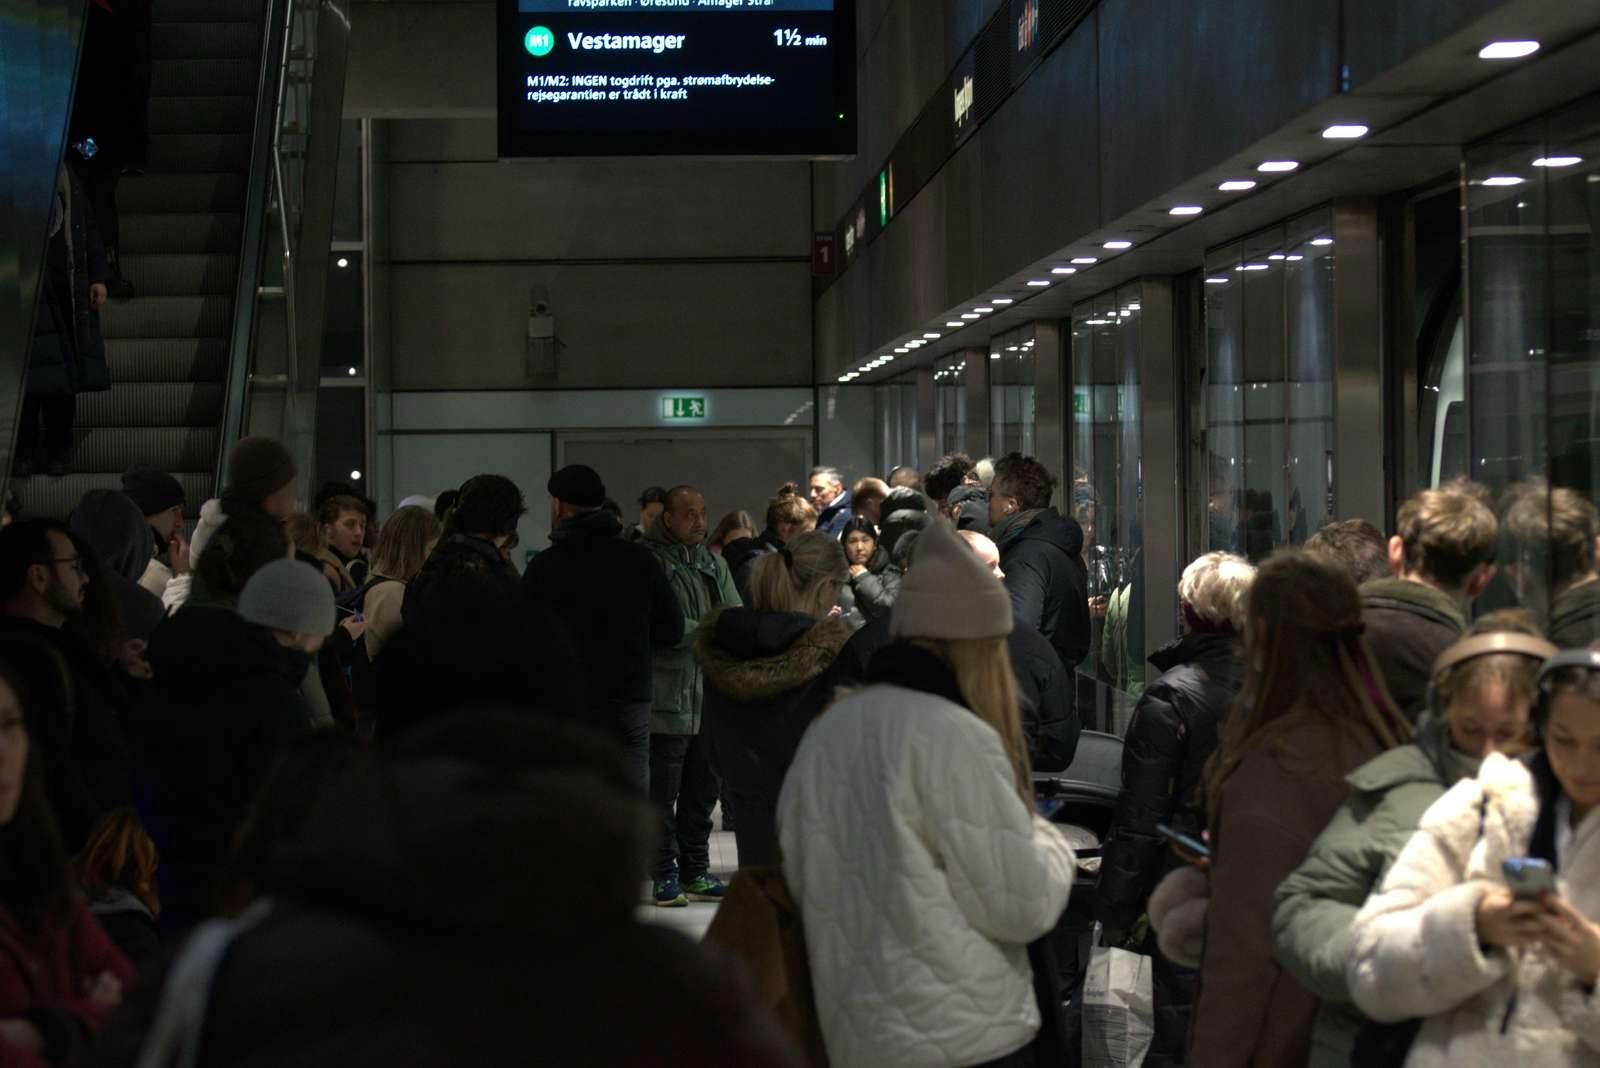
pixel 1533 360
pixel 1011 392
pixel 1267 386
pixel 1107 493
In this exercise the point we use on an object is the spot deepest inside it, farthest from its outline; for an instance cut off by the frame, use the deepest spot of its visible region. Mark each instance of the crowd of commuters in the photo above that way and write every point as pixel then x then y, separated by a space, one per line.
pixel 1354 825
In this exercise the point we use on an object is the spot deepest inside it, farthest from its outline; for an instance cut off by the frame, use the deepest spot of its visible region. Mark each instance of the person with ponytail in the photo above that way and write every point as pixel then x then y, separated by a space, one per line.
pixel 763 665
pixel 60 976
pixel 1313 709
pixel 910 840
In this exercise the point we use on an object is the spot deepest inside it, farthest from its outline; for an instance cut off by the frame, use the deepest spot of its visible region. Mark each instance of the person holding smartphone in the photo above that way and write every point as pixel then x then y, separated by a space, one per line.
pixel 1484 927
pixel 1480 700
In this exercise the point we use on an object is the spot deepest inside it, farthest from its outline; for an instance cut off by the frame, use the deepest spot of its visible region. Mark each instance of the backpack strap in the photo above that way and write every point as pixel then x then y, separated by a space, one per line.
pixel 176 1036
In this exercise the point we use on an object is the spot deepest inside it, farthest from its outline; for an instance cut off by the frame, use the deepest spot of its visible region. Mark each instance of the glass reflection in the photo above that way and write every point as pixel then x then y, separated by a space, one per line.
pixel 1267 387
pixel 1012 367
pixel 1107 494
pixel 950 397
pixel 1533 362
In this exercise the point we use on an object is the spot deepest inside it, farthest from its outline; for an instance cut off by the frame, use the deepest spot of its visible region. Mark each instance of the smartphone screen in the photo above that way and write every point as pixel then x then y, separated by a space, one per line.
pixel 1183 841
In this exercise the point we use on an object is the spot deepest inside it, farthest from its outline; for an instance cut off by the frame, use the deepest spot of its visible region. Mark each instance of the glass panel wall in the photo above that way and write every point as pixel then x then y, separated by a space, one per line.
pixel 1267 387
pixel 950 395
pixel 1011 392
pixel 1107 495
pixel 897 424
pixel 1533 360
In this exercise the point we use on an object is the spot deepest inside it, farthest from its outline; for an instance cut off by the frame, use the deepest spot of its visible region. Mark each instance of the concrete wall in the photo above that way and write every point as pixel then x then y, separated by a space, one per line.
pixel 660 273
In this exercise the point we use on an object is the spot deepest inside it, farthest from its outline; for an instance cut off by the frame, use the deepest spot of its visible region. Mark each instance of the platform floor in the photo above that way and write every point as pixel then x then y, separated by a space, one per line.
pixel 694 920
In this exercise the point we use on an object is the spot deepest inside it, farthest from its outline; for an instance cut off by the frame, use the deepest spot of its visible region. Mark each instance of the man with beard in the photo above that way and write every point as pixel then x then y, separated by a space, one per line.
pixel 42 583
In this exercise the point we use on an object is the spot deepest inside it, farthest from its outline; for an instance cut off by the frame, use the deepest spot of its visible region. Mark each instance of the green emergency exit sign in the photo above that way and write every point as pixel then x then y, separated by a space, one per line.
pixel 683 407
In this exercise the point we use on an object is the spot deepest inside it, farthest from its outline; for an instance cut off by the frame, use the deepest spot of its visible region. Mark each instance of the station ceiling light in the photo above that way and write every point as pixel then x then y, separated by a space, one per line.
pixel 1508 49
pixel 1039 283
pixel 1279 166
pixel 1218 281
pixel 984 311
pixel 957 324
pixel 1296 258
pixel 1002 300
pixel 1236 185
pixel 1557 161
pixel 1084 261
pixel 1322 242
pixel 931 336
pixel 1063 270
pixel 1503 180
pixel 971 315
pixel 1185 209
pixel 1118 246
pixel 1345 131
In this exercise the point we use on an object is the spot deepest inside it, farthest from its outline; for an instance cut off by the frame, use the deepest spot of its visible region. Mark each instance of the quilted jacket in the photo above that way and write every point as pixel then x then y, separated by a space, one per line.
pixel 921 877
pixel 1417 952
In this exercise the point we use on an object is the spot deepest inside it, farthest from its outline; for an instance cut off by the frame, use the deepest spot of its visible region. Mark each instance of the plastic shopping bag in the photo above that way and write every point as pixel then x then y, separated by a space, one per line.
pixel 1118 1009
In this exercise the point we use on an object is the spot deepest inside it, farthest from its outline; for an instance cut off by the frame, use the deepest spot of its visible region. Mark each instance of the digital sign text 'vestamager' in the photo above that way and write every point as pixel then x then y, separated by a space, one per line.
pixel 759 78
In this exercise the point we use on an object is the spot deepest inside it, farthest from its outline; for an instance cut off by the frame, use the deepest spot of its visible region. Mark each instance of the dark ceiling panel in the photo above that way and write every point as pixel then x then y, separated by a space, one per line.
pixel 1185 86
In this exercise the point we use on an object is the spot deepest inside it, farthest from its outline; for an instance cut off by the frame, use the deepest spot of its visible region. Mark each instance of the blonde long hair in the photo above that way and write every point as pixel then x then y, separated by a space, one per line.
pixel 1306 658
pixel 804 577
pixel 983 671
pixel 404 544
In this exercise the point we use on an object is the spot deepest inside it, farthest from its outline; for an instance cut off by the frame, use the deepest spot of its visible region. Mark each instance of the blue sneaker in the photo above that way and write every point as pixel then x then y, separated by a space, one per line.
pixel 705 887
pixel 667 894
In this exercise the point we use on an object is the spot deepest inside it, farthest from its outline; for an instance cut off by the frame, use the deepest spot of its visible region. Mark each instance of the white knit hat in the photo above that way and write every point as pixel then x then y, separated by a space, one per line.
pixel 949 593
pixel 290 596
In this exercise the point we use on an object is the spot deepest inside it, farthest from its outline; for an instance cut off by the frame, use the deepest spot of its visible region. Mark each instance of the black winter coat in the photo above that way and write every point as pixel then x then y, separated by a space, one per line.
pixel 68 355
pixel 465 587
pixel 764 675
pixel 227 702
pixel 80 741
pixel 1408 626
pixel 741 557
pixel 1049 583
pixel 615 600
pixel 974 504
pixel 1049 713
pixel 1173 733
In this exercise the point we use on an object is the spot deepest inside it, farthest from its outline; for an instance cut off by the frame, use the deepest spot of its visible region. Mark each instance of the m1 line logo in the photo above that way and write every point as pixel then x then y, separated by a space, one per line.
pixel 540 42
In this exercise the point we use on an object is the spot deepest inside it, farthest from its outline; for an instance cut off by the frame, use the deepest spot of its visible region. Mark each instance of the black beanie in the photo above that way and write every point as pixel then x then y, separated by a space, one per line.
pixel 153 491
pixel 578 485
pixel 259 467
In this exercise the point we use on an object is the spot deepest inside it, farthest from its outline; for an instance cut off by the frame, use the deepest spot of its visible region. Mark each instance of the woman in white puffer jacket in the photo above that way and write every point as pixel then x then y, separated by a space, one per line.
pixel 1497 980
pixel 910 840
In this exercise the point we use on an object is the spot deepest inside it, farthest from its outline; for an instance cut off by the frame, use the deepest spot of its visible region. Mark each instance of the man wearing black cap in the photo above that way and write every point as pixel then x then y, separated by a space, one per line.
pixel 161 498
pixel 617 602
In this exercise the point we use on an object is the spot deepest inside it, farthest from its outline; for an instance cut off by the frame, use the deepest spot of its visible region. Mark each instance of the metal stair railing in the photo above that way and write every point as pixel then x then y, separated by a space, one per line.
pixel 274 356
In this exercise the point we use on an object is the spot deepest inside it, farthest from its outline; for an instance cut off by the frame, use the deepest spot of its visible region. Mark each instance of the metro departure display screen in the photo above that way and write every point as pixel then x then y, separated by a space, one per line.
pixel 677 78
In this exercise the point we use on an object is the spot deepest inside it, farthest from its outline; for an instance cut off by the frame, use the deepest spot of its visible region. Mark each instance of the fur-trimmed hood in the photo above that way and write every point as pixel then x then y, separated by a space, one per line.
pixel 753 656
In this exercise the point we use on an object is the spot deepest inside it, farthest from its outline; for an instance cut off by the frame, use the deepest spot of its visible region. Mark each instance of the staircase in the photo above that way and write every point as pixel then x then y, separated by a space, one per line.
pixel 182 225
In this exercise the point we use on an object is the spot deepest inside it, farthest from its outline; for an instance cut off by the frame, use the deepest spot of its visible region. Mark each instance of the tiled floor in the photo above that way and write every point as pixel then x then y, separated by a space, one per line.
pixel 694 920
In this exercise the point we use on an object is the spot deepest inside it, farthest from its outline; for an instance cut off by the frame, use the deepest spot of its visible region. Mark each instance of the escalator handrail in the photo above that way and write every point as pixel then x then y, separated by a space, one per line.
pixel 258 198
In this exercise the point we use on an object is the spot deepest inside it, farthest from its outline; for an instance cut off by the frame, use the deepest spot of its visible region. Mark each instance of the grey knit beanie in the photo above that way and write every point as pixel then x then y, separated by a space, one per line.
pixel 948 593
pixel 290 596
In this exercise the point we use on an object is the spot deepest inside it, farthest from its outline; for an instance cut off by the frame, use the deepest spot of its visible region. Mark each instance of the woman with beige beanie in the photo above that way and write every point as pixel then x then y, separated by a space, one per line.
pixel 910 840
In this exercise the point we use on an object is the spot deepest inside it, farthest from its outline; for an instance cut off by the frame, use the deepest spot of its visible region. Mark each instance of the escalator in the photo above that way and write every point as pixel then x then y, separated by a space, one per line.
pixel 182 224
pixel 206 237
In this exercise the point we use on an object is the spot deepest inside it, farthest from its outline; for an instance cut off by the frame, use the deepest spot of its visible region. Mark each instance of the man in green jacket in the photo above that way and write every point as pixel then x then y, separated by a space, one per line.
pixel 683 784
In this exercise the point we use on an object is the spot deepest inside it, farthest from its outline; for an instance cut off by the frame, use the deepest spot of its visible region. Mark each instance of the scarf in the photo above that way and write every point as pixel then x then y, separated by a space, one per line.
pixel 1007 530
